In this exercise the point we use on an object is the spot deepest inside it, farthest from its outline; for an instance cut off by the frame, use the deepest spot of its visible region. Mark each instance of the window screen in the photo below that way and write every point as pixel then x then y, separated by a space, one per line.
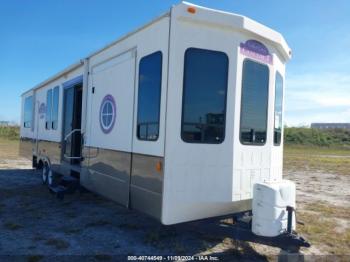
pixel 278 109
pixel 48 109
pixel 255 85
pixel 204 96
pixel 28 112
pixel 55 100
pixel 149 91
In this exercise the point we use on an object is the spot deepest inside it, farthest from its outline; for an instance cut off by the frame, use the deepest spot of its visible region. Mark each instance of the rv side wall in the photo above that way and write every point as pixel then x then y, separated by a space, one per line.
pixel 208 170
pixel 122 158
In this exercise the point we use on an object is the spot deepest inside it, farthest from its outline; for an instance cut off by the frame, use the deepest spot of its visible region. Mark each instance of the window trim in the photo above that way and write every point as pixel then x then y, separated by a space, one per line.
pixel 102 115
pixel 183 97
pixel 58 108
pixel 274 109
pixel 267 107
pixel 160 95
pixel 49 125
pixel 48 119
pixel 32 112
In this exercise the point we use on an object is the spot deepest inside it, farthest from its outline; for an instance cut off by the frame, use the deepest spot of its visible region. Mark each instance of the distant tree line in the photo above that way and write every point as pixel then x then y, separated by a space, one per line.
pixel 9 132
pixel 292 136
pixel 316 137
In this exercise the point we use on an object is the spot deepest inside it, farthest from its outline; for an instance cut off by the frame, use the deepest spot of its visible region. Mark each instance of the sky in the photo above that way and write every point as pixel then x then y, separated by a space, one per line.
pixel 38 38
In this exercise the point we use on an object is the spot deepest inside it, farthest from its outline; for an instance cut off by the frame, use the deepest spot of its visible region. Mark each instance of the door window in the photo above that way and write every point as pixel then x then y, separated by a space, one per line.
pixel 52 99
pixel 48 109
pixel 278 110
pixel 204 96
pixel 149 92
pixel 254 102
pixel 28 112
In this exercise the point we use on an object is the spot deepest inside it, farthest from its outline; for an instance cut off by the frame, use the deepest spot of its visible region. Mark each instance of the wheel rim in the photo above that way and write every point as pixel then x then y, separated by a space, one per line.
pixel 50 177
pixel 44 174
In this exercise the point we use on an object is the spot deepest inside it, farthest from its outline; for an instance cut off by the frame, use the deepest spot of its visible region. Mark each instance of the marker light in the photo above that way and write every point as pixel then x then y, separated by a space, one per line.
pixel 191 10
pixel 159 166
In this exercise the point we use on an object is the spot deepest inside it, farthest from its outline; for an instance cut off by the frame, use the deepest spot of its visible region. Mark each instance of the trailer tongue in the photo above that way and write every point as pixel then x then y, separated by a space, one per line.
pixel 240 229
pixel 272 220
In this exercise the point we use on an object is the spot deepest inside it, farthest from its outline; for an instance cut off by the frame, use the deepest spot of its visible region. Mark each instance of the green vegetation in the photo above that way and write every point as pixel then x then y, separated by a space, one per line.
pixel 12 226
pixel 9 149
pixel 324 159
pixel 316 137
pixel 320 227
pixel 317 150
pixel 9 132
pixel 57 243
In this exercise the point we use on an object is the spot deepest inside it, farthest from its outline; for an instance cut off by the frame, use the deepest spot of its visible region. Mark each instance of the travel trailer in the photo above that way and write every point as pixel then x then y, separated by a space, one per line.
pixel 180 119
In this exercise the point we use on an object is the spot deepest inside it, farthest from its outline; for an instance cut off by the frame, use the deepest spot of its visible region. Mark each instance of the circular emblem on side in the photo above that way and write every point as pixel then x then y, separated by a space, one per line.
pixel 108 112
pixel 42 110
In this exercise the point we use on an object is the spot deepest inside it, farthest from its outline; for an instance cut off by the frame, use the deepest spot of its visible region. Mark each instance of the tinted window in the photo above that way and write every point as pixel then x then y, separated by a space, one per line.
pixel 148 108
pixel 255 85
pixel 48 109
pixel 55 100
pixel 204 96
pixel 28 112
pixel 278 109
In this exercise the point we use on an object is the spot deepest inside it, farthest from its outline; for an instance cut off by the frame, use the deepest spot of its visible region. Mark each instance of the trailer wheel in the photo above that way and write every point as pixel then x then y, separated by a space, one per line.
pixel 52 178
pixel 44 172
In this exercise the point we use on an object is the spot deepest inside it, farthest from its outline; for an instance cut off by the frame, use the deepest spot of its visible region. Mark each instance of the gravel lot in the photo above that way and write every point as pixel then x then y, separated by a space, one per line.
pixel 35 226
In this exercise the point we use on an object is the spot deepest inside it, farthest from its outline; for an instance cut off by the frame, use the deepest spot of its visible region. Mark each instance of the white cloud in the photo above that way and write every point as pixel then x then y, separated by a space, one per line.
pixel 321 97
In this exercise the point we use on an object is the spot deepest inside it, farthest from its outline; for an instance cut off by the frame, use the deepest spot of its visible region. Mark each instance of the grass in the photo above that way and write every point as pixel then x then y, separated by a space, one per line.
pixel 98 223
pixel 9 132
pixel 331 160
pixel 35 258
pixel 321 229
pixel 57 243
pixel 102 257
pixel 328 210
pixel 12 226
pixel 9 149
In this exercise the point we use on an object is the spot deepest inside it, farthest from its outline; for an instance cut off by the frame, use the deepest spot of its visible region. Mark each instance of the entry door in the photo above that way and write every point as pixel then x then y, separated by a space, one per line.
pixel 111 127
pixel 72 124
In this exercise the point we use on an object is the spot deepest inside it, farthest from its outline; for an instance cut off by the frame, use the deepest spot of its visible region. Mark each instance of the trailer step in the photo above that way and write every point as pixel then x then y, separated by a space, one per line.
pixel 59 191
pixel 67 185
pixel 69 181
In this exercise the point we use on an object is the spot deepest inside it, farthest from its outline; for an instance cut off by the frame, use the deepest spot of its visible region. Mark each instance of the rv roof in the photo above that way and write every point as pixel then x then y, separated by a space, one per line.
pixel 238 22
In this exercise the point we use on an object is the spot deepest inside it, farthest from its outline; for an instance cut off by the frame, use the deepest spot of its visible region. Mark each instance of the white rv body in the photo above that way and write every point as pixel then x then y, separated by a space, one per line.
pixel 164 176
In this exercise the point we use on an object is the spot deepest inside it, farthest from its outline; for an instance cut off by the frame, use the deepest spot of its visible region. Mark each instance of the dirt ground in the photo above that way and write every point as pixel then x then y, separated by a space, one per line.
pixel 35 226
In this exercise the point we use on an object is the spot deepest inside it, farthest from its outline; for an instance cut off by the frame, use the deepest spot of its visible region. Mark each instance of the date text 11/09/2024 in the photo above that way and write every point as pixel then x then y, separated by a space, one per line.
pixel 173 258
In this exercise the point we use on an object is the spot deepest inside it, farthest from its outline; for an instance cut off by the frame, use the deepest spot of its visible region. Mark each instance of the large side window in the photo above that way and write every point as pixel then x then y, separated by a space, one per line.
pixel 55 100
pixel 254 102
pixel 52 99
pixel 204 96
pixel 48 109
pixel 28 112
pixel 278 109
pixel 149 92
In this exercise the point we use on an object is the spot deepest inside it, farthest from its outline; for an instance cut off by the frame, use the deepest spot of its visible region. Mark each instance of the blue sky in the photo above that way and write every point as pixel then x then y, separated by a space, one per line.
pixel 40 38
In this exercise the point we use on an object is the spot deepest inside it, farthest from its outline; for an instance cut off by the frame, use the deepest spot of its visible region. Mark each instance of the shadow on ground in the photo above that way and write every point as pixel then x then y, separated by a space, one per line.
pixel 35 226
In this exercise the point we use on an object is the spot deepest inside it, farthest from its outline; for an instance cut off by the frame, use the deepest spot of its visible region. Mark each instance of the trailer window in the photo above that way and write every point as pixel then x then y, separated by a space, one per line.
pixel 55 99
pixel 149 91
pixel 204 96
pixel 278 110
pixel 28 112
pixel 48 109
pixel 254 101
pixel 52 98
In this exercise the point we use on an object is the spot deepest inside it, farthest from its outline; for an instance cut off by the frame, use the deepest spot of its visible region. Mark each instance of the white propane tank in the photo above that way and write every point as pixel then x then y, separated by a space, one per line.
pixel 270 200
